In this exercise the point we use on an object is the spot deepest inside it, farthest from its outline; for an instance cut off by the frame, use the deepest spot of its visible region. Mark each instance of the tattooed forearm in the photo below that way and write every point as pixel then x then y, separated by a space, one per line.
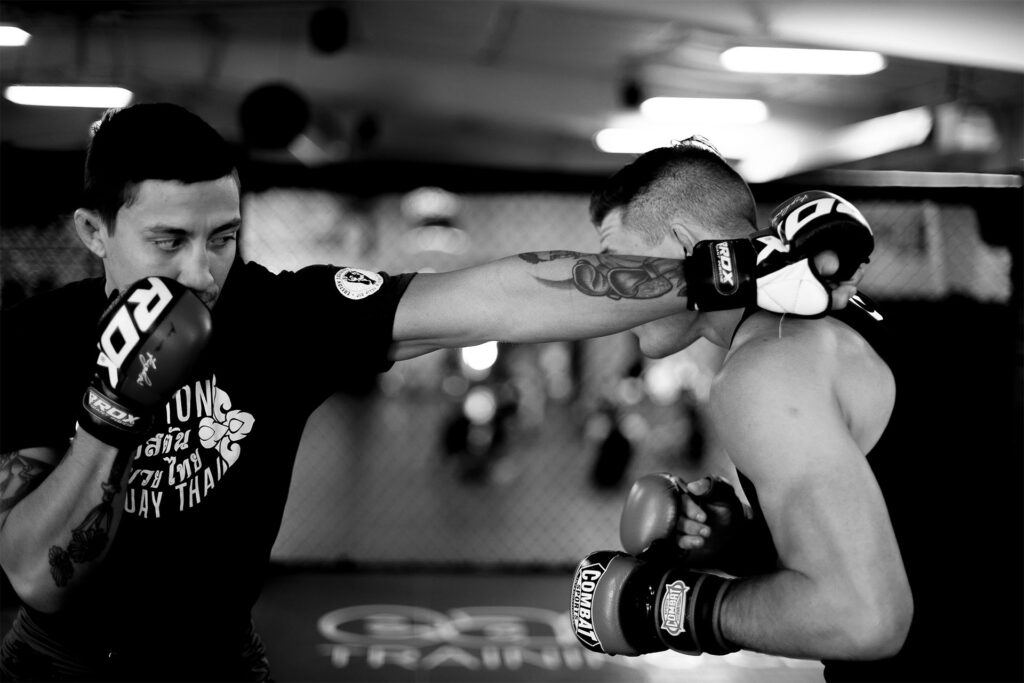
pixel 60 566
pixel 535 257
pixel 19 476
pixel 617 276
pixel 90 538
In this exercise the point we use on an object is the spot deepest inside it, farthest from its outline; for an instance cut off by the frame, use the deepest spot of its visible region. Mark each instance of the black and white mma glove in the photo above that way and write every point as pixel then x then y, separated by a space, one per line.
pixel 774 268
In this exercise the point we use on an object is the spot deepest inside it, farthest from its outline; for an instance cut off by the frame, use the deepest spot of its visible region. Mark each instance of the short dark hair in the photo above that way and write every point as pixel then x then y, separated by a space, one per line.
pixel 155 141
pixel 689 177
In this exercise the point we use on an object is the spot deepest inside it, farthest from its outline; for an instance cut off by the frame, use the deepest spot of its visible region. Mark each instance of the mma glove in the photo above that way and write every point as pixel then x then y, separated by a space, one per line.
pixel 621 605
pixel 649 527
pixel 150 338
pixel 774 268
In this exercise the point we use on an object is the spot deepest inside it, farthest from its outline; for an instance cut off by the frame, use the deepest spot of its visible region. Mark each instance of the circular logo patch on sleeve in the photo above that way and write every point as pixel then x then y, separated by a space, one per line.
pixel 357 284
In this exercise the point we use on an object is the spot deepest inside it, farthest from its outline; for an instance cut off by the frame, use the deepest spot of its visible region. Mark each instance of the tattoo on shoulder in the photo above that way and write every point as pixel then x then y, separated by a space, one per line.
pixel 20 474
pixel 617 276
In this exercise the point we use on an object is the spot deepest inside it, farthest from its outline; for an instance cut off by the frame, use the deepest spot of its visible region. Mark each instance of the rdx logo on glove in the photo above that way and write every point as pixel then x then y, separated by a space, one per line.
pixel 124 331
pixel 150 338
pixel 113 412
pixel 792 221
pixel 725 281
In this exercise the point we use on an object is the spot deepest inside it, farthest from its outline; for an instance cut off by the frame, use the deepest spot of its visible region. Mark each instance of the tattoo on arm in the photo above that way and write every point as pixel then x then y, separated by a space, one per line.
pixel 19 476
pixel 89 538
pixel 535 257
pixel 616 276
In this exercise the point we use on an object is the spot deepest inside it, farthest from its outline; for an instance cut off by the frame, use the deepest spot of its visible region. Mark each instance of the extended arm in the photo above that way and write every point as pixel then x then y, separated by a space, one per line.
pixel 536 297
pixel 58 516
pixel 840 590
pixel 564 295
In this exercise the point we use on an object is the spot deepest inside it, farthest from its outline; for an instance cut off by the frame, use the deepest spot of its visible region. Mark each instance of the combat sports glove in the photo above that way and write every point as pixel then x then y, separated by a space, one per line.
pixel 623 606
pixel 774 268
pixel 649 524
pixel 649 527
pixel 150 337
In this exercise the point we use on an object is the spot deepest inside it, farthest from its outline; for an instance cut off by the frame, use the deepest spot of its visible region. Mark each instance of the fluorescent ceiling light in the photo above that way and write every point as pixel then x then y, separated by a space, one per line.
pixel 12 36
pixel 627 140
pixel 637 140
pixel 690 109
pixel 95 97
pixel 881 135
pixel 854 142
pixel 800 61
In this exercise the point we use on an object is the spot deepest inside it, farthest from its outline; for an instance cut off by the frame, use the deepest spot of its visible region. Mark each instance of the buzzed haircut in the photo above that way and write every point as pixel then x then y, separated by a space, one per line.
pixel 688 178
pixel 157 141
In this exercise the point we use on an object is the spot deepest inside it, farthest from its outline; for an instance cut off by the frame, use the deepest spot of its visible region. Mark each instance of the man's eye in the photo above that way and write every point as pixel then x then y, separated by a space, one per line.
pixel 224 240
pixel 168 244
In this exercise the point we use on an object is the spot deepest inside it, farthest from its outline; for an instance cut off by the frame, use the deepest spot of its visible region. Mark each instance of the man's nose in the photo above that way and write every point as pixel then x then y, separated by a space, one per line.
pixel 195 271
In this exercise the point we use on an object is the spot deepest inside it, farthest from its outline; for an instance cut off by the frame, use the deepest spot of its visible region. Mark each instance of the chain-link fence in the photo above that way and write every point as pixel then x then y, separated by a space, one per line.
pixel 522 459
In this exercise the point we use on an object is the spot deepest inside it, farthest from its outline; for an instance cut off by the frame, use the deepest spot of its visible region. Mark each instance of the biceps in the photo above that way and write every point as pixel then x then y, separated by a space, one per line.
pixel 826 512
pixel 21 472
pixel 446 310
pixel 829 517
pixel 815 487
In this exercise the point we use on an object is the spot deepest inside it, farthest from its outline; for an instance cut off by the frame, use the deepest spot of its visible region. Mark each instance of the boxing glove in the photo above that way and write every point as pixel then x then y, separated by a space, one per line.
pixel 650 516
pixel 774 268
pixel 623 606
pixel 649 524
pixel 150 338
pixel 740 543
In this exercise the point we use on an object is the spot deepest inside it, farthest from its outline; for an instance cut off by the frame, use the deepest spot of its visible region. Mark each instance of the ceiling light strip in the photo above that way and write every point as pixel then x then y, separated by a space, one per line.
pixel 802 61
pixel 12 36
pixel 95 97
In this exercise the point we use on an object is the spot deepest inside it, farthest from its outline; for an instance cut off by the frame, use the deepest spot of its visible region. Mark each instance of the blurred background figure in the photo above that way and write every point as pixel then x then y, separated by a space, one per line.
pixel 487 404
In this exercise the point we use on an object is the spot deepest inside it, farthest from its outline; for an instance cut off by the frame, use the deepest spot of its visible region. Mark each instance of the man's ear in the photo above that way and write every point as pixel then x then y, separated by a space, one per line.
pixel 92 230
pixel 684 237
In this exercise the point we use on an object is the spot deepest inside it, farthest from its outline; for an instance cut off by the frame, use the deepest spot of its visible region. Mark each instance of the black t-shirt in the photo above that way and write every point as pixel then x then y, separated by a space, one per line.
pixel 207 490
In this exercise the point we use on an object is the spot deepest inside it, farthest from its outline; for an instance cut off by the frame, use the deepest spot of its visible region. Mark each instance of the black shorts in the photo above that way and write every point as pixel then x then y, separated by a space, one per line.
pixel 31 652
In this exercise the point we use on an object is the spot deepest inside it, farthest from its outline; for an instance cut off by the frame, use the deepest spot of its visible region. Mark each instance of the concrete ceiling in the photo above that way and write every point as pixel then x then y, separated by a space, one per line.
pixel 527 83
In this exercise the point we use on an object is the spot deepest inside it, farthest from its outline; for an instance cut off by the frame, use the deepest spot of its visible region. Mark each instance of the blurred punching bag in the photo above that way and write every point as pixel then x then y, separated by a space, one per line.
pixel 329 29
pixel 272 116
pixel 613 456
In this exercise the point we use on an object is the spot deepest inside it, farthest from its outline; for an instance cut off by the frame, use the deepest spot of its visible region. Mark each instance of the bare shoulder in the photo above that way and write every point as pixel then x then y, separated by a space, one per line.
pixel 821 358
pixel 770 349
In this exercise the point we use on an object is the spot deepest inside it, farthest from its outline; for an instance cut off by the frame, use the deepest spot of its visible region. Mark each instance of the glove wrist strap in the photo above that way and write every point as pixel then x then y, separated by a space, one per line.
pixel 111 421
pixel 720 275
pixel 723 644
pixel 688 612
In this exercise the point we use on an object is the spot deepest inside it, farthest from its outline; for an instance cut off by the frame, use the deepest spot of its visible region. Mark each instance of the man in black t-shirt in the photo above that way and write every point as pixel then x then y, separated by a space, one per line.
pixel 146 461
